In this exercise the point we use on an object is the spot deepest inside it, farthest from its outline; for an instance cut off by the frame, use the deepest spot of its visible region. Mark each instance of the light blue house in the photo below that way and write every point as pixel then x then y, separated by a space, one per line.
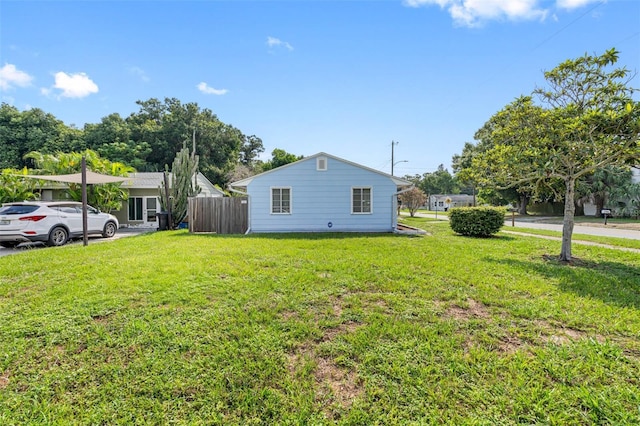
pixel 322 193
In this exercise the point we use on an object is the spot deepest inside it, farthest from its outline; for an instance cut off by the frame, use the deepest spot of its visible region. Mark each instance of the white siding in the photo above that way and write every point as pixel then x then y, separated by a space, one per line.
pixel 321 200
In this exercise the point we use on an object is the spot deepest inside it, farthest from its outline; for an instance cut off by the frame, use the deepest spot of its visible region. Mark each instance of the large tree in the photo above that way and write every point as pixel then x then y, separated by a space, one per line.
pixel 437 182
pixel 586 120
pixel 280 157
pixel 33 130
pixel 166 125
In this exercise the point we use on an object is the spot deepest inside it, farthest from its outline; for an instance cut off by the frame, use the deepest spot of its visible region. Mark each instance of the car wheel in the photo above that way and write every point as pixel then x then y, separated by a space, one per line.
pixel 9 244
pixel 109 230
pixel 58 236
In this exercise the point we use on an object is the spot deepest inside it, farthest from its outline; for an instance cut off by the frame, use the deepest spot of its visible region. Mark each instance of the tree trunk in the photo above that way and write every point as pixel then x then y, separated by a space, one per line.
pixel 567 224
pixel 599 202
pixel 522 208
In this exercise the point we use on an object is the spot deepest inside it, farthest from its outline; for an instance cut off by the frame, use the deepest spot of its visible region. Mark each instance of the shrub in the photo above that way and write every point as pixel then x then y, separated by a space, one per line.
pixel 413 199
pixel 476 221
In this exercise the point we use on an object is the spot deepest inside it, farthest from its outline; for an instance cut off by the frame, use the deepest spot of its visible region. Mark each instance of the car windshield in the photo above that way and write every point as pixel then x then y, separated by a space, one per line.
pixel 18 209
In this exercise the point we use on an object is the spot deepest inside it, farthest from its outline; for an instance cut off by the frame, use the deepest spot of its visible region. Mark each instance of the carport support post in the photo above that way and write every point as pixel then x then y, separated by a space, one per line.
pixel 85 236
pixel 166 192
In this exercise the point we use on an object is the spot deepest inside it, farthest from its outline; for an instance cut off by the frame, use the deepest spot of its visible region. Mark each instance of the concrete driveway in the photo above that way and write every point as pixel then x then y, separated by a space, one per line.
pixel 122 233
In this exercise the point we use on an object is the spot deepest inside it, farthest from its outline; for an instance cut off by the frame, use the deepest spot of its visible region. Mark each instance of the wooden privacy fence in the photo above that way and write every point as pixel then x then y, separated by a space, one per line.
pixel 222 215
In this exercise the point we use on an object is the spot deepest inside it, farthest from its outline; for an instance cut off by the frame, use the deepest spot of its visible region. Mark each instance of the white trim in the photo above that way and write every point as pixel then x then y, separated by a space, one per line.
pixel 319 162
pixel 246 181
pixel 370 199
pixel 271 200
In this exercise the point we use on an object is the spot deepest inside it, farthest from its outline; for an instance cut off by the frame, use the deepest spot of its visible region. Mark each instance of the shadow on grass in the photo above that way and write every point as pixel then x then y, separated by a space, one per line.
pixel 294 235
pixel 611 282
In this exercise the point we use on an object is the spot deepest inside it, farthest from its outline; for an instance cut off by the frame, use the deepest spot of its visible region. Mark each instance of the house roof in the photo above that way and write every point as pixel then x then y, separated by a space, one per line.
pixel 153 180
pixel 246 181
pixel 144 180
pixel 90 178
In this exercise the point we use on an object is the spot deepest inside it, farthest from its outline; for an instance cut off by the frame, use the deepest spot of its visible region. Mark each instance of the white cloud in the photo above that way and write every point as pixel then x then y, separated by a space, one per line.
pixel 574 4
pixel 73 85
pixel 139 72
pixel 208 90
pixel 473 13
pixel 276 42
pixel 10 77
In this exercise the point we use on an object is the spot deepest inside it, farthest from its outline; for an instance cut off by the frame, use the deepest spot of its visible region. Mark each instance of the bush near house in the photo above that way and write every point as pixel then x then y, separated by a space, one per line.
pixel 476 221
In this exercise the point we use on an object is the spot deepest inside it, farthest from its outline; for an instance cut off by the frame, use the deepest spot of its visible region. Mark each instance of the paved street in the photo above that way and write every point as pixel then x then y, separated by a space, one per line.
pixel 535 223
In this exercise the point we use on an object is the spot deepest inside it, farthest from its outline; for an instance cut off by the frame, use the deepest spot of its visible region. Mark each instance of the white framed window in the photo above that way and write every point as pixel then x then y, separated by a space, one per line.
pixel 361 200
pixel 321 164
pixel 281 200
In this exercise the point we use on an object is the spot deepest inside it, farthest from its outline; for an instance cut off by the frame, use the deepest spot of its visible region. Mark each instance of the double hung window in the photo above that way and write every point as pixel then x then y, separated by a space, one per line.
pixel 361 200
pixel 280 200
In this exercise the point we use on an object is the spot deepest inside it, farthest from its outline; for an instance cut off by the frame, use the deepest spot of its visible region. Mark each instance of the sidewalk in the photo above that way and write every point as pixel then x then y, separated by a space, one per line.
pixel 531 222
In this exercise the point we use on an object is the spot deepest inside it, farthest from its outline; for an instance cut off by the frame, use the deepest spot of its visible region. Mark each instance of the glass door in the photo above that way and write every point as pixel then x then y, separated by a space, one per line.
pixel 151 210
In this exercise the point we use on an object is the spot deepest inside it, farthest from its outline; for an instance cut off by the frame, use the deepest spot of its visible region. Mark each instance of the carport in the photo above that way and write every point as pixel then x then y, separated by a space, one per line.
pixel 85 177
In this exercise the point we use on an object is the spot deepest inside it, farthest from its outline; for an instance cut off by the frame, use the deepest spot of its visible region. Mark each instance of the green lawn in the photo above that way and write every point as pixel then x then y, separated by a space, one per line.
pixel 577 236
pixel 173 328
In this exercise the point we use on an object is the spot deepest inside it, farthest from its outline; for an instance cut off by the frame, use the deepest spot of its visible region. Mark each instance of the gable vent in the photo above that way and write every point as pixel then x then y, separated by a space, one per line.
pixel 321 163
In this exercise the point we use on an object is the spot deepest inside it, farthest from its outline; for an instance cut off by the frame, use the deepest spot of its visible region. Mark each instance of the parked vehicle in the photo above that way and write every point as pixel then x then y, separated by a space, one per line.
pixel 51 222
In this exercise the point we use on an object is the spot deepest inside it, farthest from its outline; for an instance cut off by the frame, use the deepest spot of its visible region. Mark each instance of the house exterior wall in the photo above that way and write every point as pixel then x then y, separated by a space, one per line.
pixel 321 200
pixel 439 201
pixel 123 213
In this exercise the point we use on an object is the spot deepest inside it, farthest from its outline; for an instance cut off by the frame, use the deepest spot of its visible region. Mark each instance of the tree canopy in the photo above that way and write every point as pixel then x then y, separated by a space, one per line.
pixel 146 140
pixel 585 120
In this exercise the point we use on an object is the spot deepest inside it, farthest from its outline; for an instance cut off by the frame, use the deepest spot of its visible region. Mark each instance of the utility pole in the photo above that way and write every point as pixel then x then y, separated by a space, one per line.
pixel 392 160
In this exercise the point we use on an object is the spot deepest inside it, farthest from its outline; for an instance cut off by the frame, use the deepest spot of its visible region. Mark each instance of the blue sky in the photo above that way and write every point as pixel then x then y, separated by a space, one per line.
pixel 344 77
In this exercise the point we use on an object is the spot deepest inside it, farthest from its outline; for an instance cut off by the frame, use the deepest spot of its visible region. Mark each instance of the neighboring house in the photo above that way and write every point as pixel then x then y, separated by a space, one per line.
pixel 144 202
pixel 590 207
pixel 443 202
pixel 322 193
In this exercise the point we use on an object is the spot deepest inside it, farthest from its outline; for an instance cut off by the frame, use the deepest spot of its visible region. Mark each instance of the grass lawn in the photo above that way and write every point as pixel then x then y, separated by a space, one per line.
pixel 577 237
pixel 173 328
pixel 419 222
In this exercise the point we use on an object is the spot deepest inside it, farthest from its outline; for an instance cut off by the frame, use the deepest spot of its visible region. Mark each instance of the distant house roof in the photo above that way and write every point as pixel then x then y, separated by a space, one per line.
pixel 153 180
pixel 143 180
pixel 246 181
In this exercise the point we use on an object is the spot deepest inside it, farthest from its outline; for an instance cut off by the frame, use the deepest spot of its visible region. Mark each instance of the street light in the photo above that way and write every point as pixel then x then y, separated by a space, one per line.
pixel 397 162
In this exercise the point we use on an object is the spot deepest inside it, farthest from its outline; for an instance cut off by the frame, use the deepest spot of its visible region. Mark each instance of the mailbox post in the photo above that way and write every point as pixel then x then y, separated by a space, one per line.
pixel 605 212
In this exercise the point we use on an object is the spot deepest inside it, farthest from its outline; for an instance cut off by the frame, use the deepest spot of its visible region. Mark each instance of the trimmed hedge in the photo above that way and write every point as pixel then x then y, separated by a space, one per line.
pixel 476 221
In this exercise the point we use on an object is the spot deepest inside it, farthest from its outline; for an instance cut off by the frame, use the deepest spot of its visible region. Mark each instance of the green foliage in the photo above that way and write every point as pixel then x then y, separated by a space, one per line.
pixel 476 221
pixel 413 199
pixel 106 197
pixel 182 186
pixel 13 187
pixel 280 157
pixel 33 130
pixel 175 328
pixel 146 140
pixel 438 182
pixel 587 120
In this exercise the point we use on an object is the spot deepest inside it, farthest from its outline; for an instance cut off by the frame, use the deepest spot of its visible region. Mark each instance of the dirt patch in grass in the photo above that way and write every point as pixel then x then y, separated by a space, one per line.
pixel 343 383
pixel 4 380
pixel 287 315
pixel 338 385
pixel 473 310
pixel 560 335
pixel 510 344
pixel 337 307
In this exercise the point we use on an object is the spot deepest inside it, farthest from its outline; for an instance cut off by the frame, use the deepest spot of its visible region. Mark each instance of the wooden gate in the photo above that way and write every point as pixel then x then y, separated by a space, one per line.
pixel 221 215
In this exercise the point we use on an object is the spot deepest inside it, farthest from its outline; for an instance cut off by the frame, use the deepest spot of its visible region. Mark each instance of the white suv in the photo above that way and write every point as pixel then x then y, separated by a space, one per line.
pixel 53 222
